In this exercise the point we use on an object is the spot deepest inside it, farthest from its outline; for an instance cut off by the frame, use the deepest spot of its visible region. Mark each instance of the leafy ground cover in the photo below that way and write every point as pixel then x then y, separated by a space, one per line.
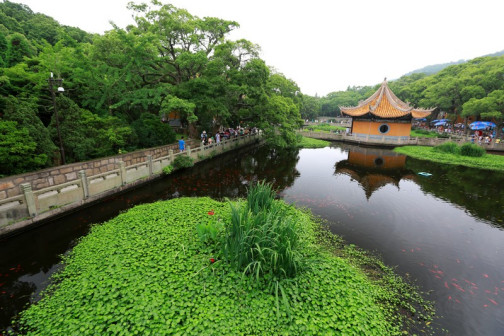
pixel 421 133
pixel 158 269
pixel 487 161
pixel 327 128
pixel 312 143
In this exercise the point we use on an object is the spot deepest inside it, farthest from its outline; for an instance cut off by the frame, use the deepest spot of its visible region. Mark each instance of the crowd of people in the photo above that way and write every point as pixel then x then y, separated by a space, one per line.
pixel 221 135
pixel 485 136
pixel 224 134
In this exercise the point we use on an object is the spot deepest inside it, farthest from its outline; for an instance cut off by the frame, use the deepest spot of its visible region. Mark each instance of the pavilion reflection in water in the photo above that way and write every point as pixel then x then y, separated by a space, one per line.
pixel 374 168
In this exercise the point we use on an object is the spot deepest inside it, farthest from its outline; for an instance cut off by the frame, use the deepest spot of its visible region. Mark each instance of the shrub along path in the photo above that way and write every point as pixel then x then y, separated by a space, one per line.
pixel 147 272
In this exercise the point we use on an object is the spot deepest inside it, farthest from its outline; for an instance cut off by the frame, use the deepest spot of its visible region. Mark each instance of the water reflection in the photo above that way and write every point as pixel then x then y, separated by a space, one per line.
pixel 374 168
pixel 477 191
pixel 445 231
pixel 30 258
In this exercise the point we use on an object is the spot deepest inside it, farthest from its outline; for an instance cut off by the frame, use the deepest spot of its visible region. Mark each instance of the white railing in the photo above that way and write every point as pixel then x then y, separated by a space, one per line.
pixel 32 206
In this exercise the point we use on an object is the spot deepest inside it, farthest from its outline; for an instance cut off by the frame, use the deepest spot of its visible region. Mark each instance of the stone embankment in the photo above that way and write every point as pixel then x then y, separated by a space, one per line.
pixel 33 197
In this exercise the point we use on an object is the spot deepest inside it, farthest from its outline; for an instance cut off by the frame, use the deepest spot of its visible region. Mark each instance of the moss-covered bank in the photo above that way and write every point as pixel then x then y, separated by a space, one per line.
pixel 312 143
pixel 146 272
pixel 488 161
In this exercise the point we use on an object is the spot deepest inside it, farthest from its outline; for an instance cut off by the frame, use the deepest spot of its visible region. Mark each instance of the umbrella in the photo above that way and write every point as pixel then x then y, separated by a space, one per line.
pixel 435 121
pixel 440 123
pixel 481 125
pixel 421 119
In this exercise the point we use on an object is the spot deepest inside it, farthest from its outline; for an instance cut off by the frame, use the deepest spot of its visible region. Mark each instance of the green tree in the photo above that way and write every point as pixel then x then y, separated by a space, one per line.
pixel 25 114
pixel 152 132
pixel 18 47
pixel 490 107
pixel 17 150
pixel 3 50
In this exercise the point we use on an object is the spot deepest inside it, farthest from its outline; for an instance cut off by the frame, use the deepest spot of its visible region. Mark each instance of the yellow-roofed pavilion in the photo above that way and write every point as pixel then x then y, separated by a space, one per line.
pixel 383 115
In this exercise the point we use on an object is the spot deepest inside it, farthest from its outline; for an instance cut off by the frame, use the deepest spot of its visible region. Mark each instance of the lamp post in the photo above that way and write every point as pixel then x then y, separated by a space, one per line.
pixel 58 83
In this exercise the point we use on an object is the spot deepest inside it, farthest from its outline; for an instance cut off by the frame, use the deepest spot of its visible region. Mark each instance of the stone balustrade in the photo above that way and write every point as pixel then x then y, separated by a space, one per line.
pixel 29 198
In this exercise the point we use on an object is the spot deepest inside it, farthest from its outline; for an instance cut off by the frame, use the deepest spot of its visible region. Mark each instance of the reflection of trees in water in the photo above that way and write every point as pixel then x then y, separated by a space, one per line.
pixel 229 175
pixel 13 299
pixel 478 191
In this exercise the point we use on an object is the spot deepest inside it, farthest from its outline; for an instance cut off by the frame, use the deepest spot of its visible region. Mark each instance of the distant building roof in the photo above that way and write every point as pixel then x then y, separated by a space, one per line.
pixel 384 104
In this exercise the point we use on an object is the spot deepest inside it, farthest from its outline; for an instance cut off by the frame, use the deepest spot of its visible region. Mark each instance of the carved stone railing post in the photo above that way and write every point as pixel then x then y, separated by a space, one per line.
pixel 188 148
pixel 172 156
pixel 84 183
pixel 26 189
pixel 122 172
pixel 149 164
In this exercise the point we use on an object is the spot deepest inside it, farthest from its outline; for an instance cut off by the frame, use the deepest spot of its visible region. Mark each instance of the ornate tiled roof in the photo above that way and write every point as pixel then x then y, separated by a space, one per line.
pixel 385 104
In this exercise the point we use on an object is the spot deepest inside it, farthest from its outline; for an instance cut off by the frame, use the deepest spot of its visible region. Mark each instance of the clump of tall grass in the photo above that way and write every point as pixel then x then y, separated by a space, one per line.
pixel 260 197
pixel 448 147
pixel 262 239
pixel 472 150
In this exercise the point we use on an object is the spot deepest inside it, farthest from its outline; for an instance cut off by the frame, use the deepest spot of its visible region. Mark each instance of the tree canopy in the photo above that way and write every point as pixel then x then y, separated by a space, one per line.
pixel 121 85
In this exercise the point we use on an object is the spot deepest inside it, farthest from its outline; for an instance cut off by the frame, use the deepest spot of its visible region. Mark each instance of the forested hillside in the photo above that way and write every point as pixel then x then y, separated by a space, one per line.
pixel 120 85
pixel 474 88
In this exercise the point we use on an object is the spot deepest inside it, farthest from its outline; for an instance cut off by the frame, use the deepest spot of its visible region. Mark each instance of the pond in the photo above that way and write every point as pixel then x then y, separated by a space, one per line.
pixel 444 232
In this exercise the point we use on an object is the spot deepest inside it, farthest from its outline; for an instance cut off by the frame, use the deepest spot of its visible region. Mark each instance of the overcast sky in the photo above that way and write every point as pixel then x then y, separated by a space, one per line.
pixel 327 45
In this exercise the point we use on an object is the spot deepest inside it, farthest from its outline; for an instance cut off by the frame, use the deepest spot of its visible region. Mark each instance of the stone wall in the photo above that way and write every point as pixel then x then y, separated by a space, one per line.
pixel 10 186
pixel 42 195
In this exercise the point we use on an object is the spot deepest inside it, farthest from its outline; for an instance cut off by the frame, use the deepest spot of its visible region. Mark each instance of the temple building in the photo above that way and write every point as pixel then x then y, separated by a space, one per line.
pixel 383 115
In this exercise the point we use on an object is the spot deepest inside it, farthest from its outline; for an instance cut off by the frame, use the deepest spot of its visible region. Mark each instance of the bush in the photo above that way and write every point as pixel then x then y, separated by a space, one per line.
pixel 472 150
pixel 168 170
pixel 448 147
pixel 183 161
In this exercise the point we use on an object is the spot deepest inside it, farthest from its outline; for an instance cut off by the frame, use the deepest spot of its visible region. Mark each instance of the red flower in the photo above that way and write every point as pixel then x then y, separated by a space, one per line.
pixel 211 212
pixel 212 260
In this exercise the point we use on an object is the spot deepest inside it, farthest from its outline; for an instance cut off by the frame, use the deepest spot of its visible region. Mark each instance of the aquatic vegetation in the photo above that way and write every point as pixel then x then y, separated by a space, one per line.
pixel 325 128
pixel 263 237
pixel 488 161
pixel 147 272
pixel 472 150
pixel 312 143
pixel 421 133
pixel 208 231
pixel 448 147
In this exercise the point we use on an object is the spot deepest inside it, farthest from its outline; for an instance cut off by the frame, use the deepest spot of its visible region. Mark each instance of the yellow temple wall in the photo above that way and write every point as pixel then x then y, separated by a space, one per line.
pixel 369 160
pixel 372 128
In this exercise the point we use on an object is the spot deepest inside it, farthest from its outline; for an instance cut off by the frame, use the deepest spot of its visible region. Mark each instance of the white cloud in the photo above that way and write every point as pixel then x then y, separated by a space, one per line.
pixel 328 45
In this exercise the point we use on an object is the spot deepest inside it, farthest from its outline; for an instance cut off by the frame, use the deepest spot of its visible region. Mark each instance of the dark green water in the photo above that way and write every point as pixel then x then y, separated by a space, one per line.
pixel 445 232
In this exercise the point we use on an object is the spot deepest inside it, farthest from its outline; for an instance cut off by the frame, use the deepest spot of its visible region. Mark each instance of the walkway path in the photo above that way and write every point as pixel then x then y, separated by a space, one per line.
pixel 30 198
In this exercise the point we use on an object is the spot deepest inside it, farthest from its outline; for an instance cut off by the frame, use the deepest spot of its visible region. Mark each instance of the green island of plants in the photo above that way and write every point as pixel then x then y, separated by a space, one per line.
pixel 468 155
pixel 421 133
pixel 197 266
pixel 305 142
